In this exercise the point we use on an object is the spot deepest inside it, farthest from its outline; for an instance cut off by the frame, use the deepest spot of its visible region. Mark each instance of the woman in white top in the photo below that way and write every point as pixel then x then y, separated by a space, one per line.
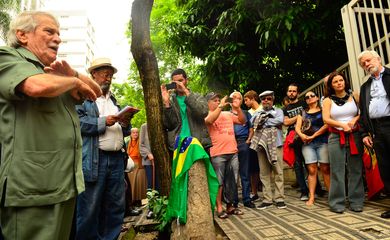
pixel 341 113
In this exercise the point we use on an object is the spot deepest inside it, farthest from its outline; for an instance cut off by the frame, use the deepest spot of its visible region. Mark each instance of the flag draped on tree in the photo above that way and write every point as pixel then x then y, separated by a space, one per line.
pixel 188 150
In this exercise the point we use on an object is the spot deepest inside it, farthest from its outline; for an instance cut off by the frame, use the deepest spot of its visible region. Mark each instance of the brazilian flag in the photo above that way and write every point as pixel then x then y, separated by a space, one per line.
pixel 188 150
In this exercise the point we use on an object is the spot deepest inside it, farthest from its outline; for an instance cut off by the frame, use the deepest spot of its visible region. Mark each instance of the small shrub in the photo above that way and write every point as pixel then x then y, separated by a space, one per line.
pixel 158 205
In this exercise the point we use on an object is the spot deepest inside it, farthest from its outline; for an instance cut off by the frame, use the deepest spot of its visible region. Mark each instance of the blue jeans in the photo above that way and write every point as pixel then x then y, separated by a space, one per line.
pixel 243 161
pixel 101 208
pixel 342 163
pixel 299 170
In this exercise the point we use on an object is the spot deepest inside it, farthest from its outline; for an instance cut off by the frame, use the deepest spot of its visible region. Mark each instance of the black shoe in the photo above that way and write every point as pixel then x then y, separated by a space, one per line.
pixel 264 205
pixel 356 209
pixel 280 205
pixel 254 197
pixel 385 214
pixel 321 193
pixel 339 211
pixel 304 197
pixel 150 215
pixel 249 205
pixel 134 212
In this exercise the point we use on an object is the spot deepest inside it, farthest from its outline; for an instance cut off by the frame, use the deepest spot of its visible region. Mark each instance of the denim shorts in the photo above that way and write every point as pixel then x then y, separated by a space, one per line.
pixel 315 152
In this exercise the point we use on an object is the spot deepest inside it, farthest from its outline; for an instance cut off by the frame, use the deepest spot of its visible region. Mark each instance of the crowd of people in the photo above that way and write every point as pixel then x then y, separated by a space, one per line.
pixel 329 137
pixel 67 180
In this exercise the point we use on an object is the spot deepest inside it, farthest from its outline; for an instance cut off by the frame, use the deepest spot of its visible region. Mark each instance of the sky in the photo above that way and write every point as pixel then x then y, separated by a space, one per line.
pixel 109 19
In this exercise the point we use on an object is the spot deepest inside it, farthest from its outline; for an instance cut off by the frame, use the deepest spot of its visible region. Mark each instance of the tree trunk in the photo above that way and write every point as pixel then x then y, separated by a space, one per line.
pixel 141 48
pixel 200 223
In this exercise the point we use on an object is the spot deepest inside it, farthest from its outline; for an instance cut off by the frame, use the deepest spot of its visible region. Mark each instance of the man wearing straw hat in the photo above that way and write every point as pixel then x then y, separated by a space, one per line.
pixel 101 208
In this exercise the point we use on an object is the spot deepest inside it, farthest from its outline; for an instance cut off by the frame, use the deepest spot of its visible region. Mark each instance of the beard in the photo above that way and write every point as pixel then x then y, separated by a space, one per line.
pixel 105 87
pixel 292 98
pixel 373 70
pixel 267 107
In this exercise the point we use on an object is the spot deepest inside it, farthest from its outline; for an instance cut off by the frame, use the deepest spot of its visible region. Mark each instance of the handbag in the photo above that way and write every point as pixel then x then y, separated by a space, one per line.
pixel 130 165
pixel 306 127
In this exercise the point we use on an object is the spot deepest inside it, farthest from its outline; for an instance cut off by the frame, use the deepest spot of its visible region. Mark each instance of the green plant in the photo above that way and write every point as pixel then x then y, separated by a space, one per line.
pixel 158 205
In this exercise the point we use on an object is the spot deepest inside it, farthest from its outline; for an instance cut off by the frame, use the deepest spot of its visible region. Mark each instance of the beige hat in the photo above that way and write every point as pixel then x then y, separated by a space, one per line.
pixel 101 62
pixel 266 93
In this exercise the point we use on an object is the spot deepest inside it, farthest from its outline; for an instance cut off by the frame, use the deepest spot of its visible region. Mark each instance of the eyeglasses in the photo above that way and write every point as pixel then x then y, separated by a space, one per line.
pixel 105 75
pixel 266 98
pixel 310 96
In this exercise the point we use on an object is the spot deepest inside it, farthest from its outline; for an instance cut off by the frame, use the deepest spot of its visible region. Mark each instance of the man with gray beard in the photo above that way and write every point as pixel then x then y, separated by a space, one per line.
pixel 375 113
pixel 101 208
pixel 267 141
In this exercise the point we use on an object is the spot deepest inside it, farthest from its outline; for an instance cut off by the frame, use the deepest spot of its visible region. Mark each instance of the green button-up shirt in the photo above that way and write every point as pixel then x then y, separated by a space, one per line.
pixel 40 138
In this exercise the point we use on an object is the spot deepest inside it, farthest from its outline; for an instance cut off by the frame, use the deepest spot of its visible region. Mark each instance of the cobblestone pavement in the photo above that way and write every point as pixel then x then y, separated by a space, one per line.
pixel 298 221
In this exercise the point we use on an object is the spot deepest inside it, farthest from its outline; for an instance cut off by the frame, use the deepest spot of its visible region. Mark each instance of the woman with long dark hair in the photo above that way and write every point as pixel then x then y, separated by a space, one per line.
pixel 315 139
pixel 341 113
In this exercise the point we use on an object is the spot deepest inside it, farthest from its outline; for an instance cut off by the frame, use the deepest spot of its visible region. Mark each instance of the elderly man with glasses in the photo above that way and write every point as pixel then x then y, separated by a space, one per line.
pixel 267 140
pixel 101 208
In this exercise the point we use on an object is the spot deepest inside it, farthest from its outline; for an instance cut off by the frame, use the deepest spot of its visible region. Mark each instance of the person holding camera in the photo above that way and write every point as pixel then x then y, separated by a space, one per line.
pixel 224 152
pixel 311 129
pixel 184 111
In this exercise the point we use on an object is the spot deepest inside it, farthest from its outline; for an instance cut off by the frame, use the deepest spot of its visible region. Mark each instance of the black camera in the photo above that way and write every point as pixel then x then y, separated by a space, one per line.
pixel 170 86
pixel 229 100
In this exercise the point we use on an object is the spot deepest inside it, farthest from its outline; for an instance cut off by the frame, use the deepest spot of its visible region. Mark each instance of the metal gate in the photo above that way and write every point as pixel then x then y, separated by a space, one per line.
pixel 366 26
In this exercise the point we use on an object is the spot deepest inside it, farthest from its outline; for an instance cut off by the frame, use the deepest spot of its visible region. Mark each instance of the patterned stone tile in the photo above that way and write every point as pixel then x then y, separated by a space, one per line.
pixel 298 221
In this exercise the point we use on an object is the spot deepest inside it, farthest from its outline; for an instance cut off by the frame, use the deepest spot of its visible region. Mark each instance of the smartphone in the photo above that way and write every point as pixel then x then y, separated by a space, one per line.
pixel 170 86
pixel 229 100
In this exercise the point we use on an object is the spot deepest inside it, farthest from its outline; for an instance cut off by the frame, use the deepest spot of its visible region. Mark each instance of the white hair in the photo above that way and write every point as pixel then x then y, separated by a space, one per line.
pixel 369 52
pixel 26 22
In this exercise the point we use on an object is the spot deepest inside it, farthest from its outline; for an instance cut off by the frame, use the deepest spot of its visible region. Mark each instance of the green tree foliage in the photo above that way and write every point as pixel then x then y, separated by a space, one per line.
pixel 6 8
pixel 131 93
pixel 259 44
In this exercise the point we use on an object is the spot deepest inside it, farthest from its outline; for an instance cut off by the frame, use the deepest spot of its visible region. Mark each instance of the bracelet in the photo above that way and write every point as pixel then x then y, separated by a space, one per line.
pixel 76 74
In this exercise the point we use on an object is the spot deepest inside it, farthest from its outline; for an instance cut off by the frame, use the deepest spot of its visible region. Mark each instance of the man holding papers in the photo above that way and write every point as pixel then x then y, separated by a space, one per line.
pixel 101 208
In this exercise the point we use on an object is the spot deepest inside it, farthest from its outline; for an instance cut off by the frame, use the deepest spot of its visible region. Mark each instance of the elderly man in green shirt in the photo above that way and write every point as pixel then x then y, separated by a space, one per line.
pixel 40 171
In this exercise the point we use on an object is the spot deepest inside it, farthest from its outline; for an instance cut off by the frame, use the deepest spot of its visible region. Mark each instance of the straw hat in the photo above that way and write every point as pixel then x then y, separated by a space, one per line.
pixel 101 62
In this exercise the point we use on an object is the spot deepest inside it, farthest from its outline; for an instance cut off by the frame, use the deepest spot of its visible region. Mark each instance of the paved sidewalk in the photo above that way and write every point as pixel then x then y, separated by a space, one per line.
pixel 298 221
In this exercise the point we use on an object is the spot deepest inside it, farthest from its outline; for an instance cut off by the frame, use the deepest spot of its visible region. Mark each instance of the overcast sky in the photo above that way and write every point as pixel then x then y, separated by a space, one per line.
pixel 109 19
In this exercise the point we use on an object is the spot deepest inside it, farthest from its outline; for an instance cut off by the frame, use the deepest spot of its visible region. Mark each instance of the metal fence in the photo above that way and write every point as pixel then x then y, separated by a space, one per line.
pixel 366 26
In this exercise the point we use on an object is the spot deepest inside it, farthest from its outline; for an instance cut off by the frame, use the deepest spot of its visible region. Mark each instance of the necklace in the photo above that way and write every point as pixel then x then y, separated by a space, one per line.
pixel 340 101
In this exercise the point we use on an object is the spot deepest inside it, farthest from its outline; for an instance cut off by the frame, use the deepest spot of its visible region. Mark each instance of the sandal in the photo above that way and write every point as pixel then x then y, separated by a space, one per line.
pixel 235 211
pixel 124 229
pixel 222 215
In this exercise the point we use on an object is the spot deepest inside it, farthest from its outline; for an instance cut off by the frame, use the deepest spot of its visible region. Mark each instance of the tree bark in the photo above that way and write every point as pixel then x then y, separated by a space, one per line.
pixel 141 48
pixel 200 220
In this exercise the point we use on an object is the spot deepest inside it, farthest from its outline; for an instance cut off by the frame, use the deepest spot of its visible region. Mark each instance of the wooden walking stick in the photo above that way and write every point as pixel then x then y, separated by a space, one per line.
pixel 153 175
